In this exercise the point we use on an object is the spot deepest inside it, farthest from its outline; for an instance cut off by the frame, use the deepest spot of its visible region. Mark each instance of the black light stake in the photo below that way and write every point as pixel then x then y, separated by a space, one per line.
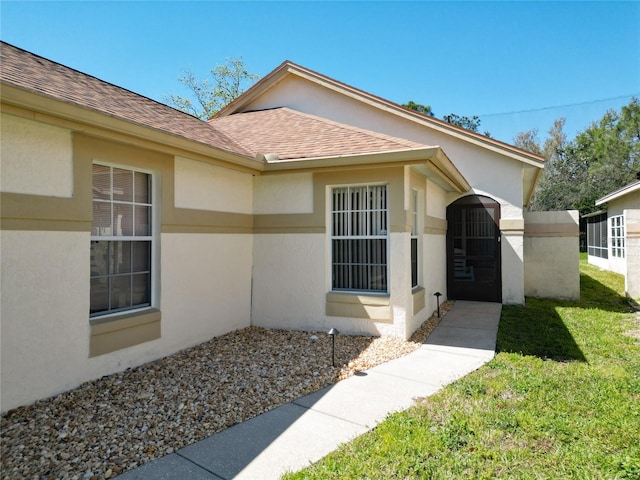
pixel 438 295
pixel 333 332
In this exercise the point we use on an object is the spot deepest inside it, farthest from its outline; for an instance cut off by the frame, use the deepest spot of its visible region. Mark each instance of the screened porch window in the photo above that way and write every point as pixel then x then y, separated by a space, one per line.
pixel 121 240
pixel 597 235
pixel 359 238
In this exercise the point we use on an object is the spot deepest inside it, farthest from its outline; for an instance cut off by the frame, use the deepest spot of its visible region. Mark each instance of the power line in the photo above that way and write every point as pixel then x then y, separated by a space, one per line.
pixel 590 102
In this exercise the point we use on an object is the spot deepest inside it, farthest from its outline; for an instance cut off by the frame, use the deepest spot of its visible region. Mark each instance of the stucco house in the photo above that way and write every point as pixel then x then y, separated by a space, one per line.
pixel 613 235
pixel 130 230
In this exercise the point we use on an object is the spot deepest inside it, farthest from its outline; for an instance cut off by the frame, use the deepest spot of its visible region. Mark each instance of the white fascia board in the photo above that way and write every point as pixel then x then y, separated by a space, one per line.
pixel 435 160
pixel 619 193
pixel 452 130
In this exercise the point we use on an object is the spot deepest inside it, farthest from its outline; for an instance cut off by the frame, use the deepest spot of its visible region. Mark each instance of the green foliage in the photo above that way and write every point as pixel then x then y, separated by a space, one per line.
pixel 561 404
pixel 467 123
pixel 601 159
pixel 208 96
pixel 426 109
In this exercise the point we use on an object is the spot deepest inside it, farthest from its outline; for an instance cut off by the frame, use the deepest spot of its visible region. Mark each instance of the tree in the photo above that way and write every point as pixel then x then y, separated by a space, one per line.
pixel 599 160
pixel 426 109
pixel 208 96
pixel 528 141
pixel 467 123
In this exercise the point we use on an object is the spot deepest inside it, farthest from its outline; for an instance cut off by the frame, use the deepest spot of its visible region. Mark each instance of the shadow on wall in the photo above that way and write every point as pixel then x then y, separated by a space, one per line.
pixel 538 330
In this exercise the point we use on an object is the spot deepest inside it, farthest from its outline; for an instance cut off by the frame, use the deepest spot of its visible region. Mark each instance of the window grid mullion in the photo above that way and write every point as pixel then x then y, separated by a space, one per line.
pixel 126 299
pixel 358 257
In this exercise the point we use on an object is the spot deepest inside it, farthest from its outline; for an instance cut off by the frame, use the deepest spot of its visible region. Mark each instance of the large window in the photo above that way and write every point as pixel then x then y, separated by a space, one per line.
pixel 359 238
pixel 597 235
pixel 414 239
pixel 617 236
pixel 121 240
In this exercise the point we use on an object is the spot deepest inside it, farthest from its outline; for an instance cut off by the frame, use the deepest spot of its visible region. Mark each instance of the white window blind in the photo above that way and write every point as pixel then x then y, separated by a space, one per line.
pixel 121 240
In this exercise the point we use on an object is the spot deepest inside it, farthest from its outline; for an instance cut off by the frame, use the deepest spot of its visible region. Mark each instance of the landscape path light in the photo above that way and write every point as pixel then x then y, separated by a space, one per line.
pixel 438 295
pixel 332 333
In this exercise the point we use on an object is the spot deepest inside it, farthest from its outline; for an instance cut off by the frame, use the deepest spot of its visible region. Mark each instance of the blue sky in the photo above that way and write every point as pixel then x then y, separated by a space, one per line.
pixel 499 59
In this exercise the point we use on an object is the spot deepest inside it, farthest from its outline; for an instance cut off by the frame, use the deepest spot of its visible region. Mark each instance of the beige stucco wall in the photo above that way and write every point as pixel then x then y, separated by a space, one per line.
pixel 490 173
pixel 622 206
pixel 551 254
pixel 202 186
pixel 44 304
pixel 206 286
pixel 36 158
pixel 632 251
pixel 629 201
pixel 202 274
pixel 292 256
pixel 43 313
pixel 283 194
pixel 289 281
pixel 432 248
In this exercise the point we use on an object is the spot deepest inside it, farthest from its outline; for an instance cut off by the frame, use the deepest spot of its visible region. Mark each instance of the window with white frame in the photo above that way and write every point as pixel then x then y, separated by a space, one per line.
pixel 359 238
pixel 414 239
pixel 121 240
pixel 617 236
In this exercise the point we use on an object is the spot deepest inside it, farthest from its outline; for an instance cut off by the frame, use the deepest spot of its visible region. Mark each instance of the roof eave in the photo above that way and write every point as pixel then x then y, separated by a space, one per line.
pixel 439 167
pixel 78 118
pixel 632 187
pixel 290 68
pixel 266 82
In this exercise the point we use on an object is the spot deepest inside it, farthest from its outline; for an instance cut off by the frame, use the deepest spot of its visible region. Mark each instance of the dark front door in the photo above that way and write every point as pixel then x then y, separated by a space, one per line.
pixel 473 250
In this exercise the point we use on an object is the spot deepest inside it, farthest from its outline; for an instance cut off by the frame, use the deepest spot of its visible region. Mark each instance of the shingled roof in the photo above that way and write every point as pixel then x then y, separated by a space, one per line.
pixel 295 135
pixel 33 73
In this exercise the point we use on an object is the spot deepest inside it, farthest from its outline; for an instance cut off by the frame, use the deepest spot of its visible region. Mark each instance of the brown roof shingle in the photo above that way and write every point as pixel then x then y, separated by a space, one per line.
pixel 288 133
pixel 291 135
pixel 30 72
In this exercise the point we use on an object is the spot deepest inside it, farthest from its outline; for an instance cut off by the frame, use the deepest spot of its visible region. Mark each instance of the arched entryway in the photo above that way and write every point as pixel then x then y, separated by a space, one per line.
pixel 473 249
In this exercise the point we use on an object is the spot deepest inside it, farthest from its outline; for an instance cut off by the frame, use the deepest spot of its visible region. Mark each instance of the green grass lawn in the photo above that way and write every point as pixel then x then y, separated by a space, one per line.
pixel 561 399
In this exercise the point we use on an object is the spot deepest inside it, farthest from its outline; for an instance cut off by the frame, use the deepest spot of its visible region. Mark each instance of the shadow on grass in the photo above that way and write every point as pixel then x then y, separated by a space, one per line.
pixel 537 329
pixel 594 294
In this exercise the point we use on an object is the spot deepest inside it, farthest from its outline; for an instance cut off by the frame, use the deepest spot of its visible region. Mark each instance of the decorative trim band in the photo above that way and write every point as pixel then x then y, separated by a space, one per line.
pixel 358 306
pixel 551 230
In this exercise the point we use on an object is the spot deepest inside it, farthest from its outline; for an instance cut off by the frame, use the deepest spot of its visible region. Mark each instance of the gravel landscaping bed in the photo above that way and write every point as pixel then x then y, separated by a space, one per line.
pixel 124 420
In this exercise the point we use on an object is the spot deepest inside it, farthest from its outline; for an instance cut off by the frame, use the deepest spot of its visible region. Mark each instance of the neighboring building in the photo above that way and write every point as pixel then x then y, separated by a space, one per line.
pixel 613 236
pixel 131 230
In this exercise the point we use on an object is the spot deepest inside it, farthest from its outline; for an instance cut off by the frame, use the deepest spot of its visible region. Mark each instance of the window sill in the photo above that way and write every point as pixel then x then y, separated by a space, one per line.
pixel 357 305
pixel 112 333
pixel 418 295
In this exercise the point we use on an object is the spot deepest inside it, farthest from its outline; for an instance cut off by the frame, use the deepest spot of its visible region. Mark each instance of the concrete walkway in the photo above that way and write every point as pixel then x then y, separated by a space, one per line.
pixel 292 436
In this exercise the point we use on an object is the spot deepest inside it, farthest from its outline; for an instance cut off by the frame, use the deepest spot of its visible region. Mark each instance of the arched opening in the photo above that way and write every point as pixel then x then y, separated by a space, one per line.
pixel 473 249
